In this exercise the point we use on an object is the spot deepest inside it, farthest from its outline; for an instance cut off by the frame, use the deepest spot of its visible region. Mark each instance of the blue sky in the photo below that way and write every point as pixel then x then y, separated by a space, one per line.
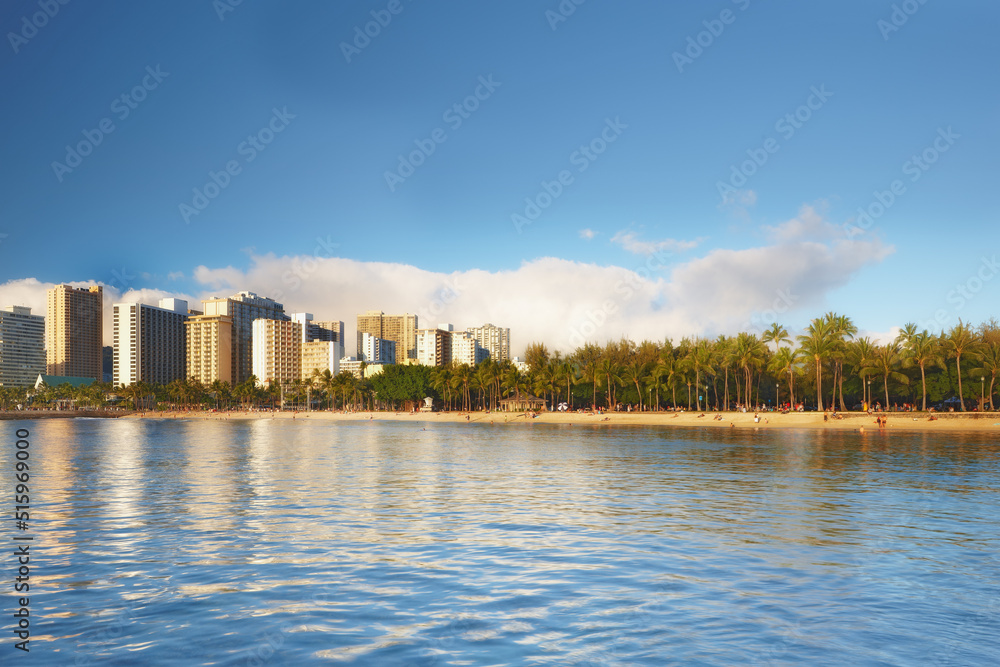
pixel 887 94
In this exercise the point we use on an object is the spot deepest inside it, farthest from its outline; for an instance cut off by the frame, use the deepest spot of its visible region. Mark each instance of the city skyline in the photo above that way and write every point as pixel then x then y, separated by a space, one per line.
pixel 650 171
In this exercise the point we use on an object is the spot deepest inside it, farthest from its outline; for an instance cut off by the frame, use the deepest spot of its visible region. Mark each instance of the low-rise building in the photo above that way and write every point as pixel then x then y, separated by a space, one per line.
pixel 359 368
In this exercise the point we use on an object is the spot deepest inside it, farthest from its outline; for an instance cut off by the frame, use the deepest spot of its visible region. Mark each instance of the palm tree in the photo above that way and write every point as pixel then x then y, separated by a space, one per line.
pixel 906 334
pixel 610 372
pixel 818 342
pixel 861 354
pixel 461 378
pixel 843 329
pixel 635 373
pixel 887 359
pixel 566 372
pixel 783 362
pixel 748 355
pixel 990 360
pixel 546 381
pixel 441 381
pixel 960 339
pixel 922 349
pixel 699 358
pixel 776 334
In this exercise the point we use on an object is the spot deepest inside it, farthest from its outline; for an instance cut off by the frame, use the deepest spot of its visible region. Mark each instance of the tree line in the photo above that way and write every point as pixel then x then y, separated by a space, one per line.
pixel 827 366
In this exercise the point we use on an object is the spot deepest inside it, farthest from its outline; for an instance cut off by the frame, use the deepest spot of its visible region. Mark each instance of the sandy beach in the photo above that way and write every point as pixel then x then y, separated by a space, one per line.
pixel 987 421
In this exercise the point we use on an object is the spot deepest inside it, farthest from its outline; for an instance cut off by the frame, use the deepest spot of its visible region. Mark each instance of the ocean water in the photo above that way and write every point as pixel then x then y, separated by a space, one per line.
pixel 296 543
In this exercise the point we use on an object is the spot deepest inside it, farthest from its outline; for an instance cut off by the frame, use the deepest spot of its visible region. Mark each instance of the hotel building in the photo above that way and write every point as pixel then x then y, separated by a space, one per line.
pixel 401 329
pixel 322 344
pixel 465 349
pixel 434 346
pixel 495 340
pixel 74 331
pixel 375 350
pixel 209 348
pixel 321 355
pixel 277 351
pixel 149 342
pixel 22 347
pixel 244 308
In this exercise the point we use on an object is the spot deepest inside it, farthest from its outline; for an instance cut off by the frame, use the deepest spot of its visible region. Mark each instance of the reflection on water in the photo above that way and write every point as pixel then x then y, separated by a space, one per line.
pixel 263 542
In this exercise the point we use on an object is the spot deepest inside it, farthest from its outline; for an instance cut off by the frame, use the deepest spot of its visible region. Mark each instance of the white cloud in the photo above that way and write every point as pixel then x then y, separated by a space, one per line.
pixel 808 224
pixel 587 234
pixel 631 242
pixel 557 301
pixel 175 275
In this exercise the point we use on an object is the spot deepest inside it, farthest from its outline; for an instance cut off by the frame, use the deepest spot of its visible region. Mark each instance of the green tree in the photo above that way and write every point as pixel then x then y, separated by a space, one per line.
pixel 921 350
pixel 887 359
pixel 961 339
pixel 989 359
pixel 818 342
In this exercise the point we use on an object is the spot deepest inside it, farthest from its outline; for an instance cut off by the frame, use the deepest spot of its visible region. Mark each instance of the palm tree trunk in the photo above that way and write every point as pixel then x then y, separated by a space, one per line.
pixel 697 383
pixel 958 366
pixel 923 389
pixel 840 384
pixel 725 398
pixel 819 385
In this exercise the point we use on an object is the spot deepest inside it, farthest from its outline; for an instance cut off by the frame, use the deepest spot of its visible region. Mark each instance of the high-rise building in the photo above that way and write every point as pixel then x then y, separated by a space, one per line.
pixel 465 349
pixel 277 351
pixel 375 350
pixel 149 342
pixel 401 329
pixel 108 363
pixel 74 331
pixel 22 347
pixel 495 340
pixel 209 348
pixel 317 332
pixel 434 346
pixel 328 330
pixel 321 355
pixel 244 308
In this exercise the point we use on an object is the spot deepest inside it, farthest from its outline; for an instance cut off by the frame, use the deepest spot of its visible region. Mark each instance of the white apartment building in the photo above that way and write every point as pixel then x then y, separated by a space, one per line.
pixel 375 350
pixel 495 340
pixel 465 349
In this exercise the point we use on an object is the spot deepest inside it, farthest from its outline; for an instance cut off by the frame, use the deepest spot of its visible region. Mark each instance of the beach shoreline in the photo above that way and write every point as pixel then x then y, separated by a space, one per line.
pixel 850 421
